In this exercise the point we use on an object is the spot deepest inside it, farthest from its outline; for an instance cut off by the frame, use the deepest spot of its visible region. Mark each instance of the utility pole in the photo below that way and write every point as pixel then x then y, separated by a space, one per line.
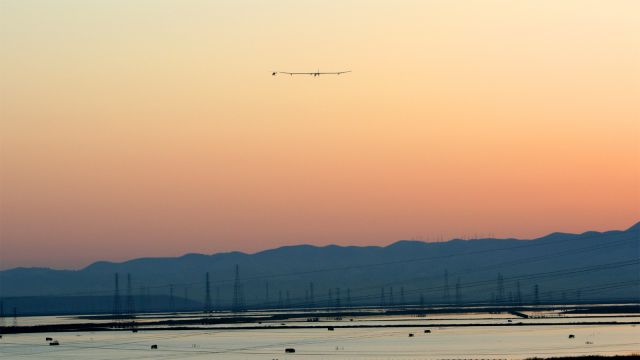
pixel 172 303
pixel 141 304
pixel 536 294
pixel 130 308
pixel 311 299
pixel 518 293
pixel 287 301
pixel 330 301
pixel 391 299
pixel 348 297
pixel 218 300
pixel 402 302
pixel 116 299
pixel 306 298
pixel 186 298
pixel 445 293
pixel 237 292
pixel 207 295
pixel 149 298
pixel 243 304
pixel 382 299
pixel 500 290
pixel 337 298
pixel 458 294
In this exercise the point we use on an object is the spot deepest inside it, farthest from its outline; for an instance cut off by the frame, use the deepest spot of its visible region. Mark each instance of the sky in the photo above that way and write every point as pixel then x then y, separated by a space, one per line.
pixel 155 128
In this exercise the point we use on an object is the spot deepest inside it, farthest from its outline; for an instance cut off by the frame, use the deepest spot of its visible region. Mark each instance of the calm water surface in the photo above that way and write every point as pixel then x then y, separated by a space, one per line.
pixel 487 342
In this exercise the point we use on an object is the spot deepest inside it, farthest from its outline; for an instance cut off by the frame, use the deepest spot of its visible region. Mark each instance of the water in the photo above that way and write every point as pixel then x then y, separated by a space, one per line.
pixel 486 342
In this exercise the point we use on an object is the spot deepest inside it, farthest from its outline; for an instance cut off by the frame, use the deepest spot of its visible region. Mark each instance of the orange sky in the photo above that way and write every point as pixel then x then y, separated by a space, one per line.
pixel 155 128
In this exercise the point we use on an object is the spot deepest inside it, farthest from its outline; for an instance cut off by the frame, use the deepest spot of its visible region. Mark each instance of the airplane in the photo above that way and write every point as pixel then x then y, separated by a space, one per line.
pixel 317 73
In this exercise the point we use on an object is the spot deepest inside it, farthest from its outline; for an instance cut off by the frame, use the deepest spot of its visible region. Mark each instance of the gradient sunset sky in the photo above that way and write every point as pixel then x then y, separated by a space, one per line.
pixel 155 128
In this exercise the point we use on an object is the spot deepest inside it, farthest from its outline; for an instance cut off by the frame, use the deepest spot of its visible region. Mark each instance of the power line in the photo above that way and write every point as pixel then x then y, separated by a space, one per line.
pixel 514 279
pixel 485 268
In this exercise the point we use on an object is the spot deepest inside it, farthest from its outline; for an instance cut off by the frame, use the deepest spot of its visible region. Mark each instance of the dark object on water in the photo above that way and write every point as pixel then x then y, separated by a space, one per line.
pixel 48 339
pixel 410 335
pixel 54 343
pixel 427 331
pixel 134 330
pixel 330 328
pixel 289 350
pixel 571 336
pixel 154 346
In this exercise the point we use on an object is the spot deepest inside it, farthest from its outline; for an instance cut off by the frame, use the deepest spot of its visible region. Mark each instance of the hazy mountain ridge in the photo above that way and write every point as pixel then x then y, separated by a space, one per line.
pixel 416 266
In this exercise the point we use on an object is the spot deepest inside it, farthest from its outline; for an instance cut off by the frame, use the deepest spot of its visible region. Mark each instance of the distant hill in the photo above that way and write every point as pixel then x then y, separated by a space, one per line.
pixel 592 266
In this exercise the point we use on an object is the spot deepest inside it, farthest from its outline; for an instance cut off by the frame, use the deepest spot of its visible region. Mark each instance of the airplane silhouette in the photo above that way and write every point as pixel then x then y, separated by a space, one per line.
pixel 317 73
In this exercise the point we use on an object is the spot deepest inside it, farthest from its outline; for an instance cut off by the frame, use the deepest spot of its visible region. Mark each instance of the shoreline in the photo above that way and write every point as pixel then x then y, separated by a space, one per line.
pixel 92 327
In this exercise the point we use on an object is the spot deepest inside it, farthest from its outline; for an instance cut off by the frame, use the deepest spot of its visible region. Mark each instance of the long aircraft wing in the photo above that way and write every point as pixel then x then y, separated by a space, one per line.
pixel 311 73
pixel 334 73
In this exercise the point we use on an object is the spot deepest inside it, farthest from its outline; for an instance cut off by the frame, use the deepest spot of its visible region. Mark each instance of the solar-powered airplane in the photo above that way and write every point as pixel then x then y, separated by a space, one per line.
pixel 317 73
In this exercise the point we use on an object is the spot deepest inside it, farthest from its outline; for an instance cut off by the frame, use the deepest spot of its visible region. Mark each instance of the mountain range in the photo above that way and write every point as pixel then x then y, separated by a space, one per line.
pixel 559 267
